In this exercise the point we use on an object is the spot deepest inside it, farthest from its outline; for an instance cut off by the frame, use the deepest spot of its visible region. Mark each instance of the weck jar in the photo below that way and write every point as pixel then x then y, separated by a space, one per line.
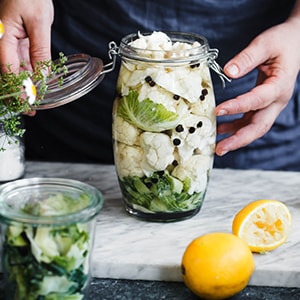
pixel 164 126
pixel 47 228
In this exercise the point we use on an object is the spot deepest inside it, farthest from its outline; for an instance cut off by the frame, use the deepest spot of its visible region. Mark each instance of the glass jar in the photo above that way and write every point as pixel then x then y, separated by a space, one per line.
pixel 47 232
pixel 12 161
pixel 164 126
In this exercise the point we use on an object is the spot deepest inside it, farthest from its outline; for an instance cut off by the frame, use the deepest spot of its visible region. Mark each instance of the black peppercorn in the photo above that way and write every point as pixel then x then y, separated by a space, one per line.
pixel 179 128
pixel 176 97
pixel 199 125
pixel 202 97
pixel 152 83
pixel 192 129
pixel 204 92
pixel 175 163
pixel 160 173
pixel 148 79
pixel 195 66
pixel 176 142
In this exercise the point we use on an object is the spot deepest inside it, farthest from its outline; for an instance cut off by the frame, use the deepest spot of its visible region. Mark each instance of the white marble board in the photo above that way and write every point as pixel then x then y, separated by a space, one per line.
pixel 132 249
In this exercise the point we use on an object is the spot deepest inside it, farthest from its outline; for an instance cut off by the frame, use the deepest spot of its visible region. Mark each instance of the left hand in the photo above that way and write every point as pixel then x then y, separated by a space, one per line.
pixel 275 53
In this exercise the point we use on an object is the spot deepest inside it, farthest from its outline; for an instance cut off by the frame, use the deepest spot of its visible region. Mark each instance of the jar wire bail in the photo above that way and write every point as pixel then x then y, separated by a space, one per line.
pixel 212 55
pixel 112 53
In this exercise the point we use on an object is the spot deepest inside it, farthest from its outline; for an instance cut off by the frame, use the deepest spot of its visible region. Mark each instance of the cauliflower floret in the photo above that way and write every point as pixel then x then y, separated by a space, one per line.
pixel 163 46
pixel 157 95
pixel 182 81
pixel 135 78
pixel 156 41
pixel 196 171
pixel 206 146
pixel 206 106
pixel 160 95
pixel 157 151
pixel 128 160
pixel 124 132
pixel 196 134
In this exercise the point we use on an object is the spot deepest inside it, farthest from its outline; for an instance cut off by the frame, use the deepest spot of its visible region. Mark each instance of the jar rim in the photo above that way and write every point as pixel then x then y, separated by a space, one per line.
pixel 11 212
pixel 193 54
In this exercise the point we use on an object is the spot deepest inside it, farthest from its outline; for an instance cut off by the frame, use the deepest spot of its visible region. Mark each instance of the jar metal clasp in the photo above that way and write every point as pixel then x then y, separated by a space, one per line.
pixel 211 59
pixel 112 53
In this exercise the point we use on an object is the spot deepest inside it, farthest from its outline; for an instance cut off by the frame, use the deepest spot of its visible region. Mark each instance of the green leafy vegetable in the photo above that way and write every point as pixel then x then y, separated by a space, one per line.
pixel 57 204
pixel 160 193
pixel 44 262
pixel 146 114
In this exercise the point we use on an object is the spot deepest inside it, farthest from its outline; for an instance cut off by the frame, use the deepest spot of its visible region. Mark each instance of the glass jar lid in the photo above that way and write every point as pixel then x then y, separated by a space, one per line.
pixel 84 73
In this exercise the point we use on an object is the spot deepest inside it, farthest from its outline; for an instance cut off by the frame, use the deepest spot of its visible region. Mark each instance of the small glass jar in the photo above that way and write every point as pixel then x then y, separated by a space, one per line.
pixel 164 126
pixel 12 161
pixel 47 233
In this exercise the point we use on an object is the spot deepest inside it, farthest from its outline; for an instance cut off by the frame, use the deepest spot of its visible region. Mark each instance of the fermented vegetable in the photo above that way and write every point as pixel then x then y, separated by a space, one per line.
pixel 48 262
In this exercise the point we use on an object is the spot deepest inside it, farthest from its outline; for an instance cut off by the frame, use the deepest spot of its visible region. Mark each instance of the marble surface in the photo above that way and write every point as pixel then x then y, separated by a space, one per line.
pixel 128 248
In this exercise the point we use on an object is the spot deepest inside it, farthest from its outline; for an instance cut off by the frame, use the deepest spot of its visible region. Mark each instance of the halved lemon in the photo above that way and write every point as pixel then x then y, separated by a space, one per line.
pixel 263 224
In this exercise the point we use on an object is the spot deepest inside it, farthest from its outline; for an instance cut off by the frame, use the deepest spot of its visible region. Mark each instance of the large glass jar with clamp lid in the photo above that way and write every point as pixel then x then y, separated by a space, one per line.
pixel 164 126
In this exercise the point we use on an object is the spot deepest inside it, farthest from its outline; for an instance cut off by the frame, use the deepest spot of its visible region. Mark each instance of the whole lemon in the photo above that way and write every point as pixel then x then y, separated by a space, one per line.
pixel 217 265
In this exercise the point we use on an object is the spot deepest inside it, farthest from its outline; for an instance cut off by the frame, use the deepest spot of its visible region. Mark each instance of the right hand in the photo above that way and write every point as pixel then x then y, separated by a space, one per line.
pixel 27 36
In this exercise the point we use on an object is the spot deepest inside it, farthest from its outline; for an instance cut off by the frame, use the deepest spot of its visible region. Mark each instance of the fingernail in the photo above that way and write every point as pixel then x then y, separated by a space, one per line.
pixel 223 153
pixel 222 112
pixel 232 69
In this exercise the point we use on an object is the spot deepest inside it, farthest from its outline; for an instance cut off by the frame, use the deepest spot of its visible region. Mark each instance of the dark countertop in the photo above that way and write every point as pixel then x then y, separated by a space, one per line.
pixel 120 289
pixel 116 289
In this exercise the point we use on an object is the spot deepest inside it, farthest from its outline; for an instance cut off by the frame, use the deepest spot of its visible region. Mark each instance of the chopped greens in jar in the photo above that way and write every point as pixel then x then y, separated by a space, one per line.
pixel 48 262
pixel 160 192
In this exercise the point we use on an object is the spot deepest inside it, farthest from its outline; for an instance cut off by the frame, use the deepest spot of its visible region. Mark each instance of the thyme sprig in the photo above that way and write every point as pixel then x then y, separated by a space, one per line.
pixel 14 96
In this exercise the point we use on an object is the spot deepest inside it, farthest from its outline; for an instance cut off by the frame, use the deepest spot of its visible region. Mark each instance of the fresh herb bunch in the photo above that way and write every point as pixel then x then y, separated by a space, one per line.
pixel 21 92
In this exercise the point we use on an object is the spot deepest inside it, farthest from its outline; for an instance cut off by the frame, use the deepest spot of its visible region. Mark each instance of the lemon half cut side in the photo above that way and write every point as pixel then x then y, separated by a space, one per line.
pixel 263 224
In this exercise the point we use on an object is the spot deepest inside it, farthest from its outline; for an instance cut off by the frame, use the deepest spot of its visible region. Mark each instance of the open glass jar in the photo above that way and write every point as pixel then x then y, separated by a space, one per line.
pixel 47 232
pixel 164 127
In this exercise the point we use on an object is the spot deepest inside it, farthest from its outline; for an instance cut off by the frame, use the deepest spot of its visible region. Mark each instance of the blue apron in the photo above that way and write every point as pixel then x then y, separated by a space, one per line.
pixel 81 131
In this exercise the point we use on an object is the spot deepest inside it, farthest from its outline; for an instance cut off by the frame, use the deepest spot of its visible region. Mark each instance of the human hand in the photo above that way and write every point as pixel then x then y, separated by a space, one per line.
pixel 27 33
pixel 275 53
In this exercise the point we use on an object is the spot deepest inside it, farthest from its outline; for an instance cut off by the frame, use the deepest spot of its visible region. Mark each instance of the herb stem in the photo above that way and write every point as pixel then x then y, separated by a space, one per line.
pixel 9 95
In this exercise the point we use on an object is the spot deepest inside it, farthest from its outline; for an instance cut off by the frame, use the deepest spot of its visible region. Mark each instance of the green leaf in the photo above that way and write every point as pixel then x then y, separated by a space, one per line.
pixel 159 193
pixel 146 115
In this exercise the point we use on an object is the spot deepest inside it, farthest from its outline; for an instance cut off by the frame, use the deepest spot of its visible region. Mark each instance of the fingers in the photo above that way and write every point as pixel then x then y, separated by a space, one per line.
pixel 248 59
pixel 40 45
pixel 244 131
pixel 39 32
pixel 261 105
pixel 259 97
pixel 9 53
